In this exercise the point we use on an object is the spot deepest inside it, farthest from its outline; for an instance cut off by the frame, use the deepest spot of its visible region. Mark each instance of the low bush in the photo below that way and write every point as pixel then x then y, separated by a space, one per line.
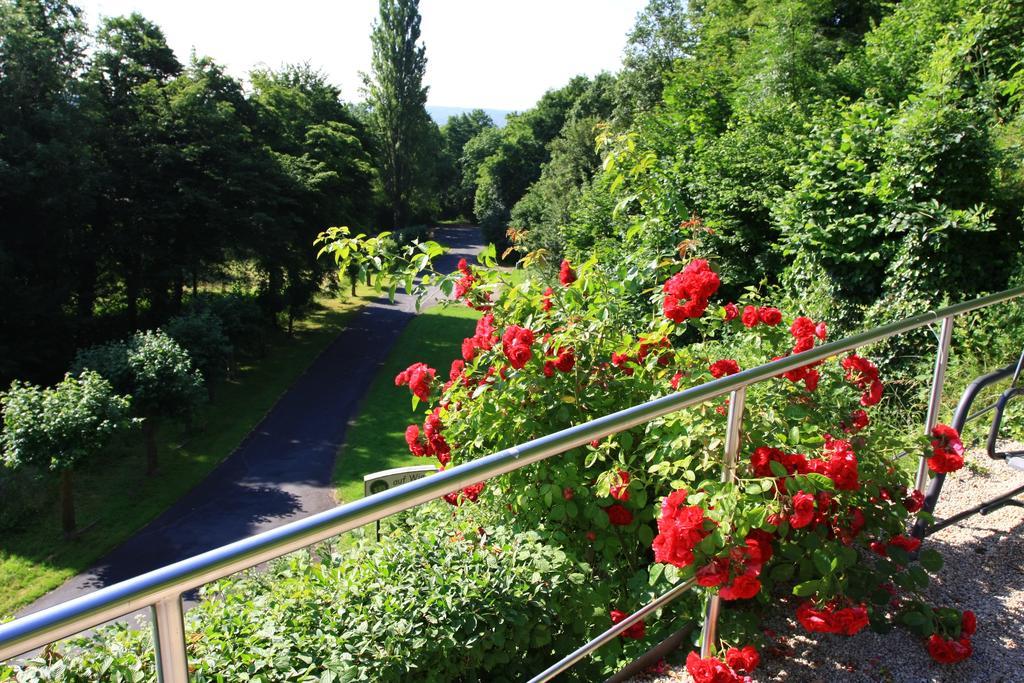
pixel 441 599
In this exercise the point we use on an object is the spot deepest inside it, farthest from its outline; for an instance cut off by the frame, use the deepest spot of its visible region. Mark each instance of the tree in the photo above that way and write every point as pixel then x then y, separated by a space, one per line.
pixel 456 199
pixel 47 178
pixel 56 428
pixel 201 334
pixel 397 98
pixel 158 374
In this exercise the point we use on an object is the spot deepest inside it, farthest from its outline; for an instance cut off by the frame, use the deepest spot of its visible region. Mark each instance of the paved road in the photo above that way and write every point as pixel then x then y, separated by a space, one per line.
pixel 282 471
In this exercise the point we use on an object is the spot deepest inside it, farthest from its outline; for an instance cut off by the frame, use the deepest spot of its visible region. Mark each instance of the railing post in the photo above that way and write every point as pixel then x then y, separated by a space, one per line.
pixel 935 400
pixel 732 449
pixel 169 640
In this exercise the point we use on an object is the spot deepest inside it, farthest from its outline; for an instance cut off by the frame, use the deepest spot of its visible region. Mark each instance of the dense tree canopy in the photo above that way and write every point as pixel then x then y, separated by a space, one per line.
pixel 129 178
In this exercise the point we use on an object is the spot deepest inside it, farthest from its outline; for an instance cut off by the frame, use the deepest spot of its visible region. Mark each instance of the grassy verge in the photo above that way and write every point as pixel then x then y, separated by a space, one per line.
pixel 376 439
pixel 114 498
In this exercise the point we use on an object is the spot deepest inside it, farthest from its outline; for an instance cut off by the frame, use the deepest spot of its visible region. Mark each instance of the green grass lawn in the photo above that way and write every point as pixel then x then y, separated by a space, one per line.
pixel 376 439
pixel 114 498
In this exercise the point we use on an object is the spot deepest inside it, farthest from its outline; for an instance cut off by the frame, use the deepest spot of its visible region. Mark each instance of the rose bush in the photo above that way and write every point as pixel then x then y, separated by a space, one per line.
pixel 818 485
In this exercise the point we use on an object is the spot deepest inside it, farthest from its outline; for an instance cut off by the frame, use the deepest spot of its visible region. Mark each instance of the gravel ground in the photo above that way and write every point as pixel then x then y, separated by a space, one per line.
pixel 984 572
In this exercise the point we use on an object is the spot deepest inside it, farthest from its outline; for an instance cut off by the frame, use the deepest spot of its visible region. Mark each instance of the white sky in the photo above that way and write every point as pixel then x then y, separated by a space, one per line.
pixel 500 54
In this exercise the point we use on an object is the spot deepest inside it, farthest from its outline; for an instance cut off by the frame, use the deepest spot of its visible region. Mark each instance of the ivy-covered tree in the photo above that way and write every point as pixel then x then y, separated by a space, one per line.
pixel 58 427
pixel 158 374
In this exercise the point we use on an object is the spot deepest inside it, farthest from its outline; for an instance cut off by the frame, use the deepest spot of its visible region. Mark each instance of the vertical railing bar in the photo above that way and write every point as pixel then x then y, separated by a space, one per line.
pixel 169 640
pixel 935 400
pixel 568 661
pixel 732 449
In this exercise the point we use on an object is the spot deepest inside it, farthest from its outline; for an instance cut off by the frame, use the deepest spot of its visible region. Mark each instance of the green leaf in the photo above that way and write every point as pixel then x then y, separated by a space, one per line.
pixel 931 560
pixel 806 589
pixel 782 572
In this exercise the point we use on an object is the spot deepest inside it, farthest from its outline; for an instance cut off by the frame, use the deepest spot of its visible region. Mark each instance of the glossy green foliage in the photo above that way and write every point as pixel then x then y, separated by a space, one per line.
pixel 434 601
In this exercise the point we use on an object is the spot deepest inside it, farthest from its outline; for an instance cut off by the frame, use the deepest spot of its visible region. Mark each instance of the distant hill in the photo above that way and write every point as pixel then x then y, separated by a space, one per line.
pixel 442 114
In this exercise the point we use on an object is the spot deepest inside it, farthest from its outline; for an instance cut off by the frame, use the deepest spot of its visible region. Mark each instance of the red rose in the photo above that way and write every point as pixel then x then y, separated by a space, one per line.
pixel 905 542
pixel 762 540
pixel 568 493
pixel 841 466
pixel 750 317
pixel 545 302
pixel 412 437
pixel 618 515
pixel 742 587
pixel 620 490
pixel 847 621
pixel 859 420
pixel 731 312
pixel 803 510
pixel 591 536
pixel 566 275
pixel 947 450
pixel 419 377
pixel 949 651
pixel 635 631
pixel 469 493
pixel 549 368
pixel 770 315
pixel 873 395
pixel 566 360
pixel 687 292
pixel 715 573
pixel 710 670
pixel 968 623
pixel 674 382
pixel 744 661
pixel 681 528
pixel 802 328
pixel 821 331
pixel 914 502
pixel 723 368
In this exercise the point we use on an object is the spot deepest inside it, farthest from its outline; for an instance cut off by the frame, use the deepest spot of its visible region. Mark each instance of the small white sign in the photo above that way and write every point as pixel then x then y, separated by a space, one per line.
pixel 376 482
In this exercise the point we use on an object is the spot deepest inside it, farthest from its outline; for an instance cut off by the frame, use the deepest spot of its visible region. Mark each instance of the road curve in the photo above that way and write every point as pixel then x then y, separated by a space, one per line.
pixel 282 470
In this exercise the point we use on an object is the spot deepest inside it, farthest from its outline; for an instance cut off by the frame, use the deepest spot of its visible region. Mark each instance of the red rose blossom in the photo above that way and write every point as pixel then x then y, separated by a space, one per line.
pixel 803 510
pixel 743 660
pixel 566 275
pixel 710 670
pixel 968 623
pixel 847 621
pixel 635 631
pixel 731 312
pixel 750 317
pixel 724 368
pixel 946 651
pixel 545 302
pixel 688 291
pixel 620 490
pixel 619 515
pixel 770 315
pixel 742 587
pixel 419 377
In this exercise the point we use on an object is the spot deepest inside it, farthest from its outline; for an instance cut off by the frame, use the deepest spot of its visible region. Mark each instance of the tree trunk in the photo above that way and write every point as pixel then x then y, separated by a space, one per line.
pixel 149 428
pixel 131 292
pixel 353 280
pixel 67 502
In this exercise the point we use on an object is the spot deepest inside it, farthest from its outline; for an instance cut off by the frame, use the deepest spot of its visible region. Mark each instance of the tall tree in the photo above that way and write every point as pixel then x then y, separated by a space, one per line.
pixel 46 174
pixel 397 98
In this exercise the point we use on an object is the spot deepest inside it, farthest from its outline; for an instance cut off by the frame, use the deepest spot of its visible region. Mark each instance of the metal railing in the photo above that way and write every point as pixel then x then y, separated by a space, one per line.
pixel 161 590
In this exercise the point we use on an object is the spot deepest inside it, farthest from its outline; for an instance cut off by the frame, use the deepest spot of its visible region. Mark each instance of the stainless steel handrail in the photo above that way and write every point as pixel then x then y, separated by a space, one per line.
pixel 161 589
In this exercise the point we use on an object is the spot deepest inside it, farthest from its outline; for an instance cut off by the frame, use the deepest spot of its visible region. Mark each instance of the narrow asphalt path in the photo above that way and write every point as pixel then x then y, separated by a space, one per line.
pixel 282 471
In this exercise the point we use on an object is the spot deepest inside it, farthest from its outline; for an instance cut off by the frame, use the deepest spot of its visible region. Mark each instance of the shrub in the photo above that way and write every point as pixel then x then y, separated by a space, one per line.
pixel 820 505
pixel 435 601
